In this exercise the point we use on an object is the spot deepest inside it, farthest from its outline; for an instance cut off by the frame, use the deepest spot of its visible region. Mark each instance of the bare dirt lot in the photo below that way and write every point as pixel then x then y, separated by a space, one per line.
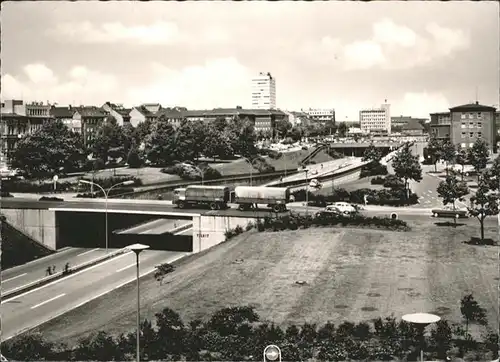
pixel 351 274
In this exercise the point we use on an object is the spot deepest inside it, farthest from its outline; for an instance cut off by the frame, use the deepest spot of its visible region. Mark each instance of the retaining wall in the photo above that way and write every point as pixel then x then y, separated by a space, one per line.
pixel 209 231
pixel 38 224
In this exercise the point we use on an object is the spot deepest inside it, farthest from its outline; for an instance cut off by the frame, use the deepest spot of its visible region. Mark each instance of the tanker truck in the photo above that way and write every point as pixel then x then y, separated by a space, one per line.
pixel 216 197
pixel 248 197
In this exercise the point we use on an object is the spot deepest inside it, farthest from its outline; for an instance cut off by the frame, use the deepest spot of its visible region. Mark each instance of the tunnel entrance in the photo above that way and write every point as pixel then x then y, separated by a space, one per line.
pixel 87 229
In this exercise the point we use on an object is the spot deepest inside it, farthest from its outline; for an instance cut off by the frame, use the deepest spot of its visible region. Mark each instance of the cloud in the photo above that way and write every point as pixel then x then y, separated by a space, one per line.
pixel 40 84
pixel 420 104
pixel 158 33
pixel 39 74
pixel 222 82
pixel 363 55
pixel 389 47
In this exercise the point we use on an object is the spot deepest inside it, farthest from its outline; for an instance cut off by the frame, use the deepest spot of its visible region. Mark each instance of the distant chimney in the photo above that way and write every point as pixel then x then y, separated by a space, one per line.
pixel 477 102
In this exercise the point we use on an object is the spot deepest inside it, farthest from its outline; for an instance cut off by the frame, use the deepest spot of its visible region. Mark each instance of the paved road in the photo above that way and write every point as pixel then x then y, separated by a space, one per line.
pixel 40 305
pixel 24 274
pixel 156 227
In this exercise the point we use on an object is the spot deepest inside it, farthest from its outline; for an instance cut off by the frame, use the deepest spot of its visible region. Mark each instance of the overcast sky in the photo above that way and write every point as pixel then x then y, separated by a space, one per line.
pixel 420 56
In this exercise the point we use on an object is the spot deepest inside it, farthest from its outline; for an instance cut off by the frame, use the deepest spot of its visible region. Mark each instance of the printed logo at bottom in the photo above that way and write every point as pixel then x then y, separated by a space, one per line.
pixel 272 353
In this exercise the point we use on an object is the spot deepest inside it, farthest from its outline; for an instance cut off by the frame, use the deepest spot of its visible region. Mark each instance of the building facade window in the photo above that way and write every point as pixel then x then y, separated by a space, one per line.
pixel 471 134
pixel 464 125
pixel 463 116
pixel 463 134
pixel 464 145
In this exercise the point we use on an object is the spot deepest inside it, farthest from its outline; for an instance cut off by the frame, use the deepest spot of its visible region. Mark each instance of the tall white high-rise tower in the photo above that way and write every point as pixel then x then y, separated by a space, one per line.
pixel 264 91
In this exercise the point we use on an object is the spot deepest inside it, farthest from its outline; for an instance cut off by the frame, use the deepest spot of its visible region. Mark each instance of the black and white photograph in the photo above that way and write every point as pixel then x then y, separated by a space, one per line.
pixel 250 181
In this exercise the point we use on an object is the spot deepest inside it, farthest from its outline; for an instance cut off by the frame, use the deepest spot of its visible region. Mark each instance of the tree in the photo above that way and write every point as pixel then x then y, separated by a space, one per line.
pixel 142 131
pixel 448 153
pixel 372 154
pixel 406 166
pixel 217 144
pixel 478 156
pixel 185 141
pixel 48 151
pixel 451 190
pixel 171 334
pixel 462 158
pixel 133 158
pixel 296 134
pixel 441 337
pixel 242 137
pixel 434 151
pixel 160 145
pixel 28 347
pixel 162 270
pixel 282 128
pixel 483 204
pixel 97 347
pixel 109 141
pixel 342 129
pixel 472 311
pixel 199 136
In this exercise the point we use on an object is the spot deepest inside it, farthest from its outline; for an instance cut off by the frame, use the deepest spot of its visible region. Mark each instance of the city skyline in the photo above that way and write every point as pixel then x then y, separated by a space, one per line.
pixel 348 58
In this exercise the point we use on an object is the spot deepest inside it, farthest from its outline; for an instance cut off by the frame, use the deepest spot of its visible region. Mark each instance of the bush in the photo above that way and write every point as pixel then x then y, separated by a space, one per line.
pixel 229 234
pixel 261 165
pixel 24 186
pixel 293 221
pixel 373 169
pixel 393 182
pixel 275 155
pixel 209 173
pixel 134 160
pixel 107 182
pixel 378 180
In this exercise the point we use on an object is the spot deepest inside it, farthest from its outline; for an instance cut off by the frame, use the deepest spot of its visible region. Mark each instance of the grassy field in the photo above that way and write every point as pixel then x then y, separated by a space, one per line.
pixel 351 275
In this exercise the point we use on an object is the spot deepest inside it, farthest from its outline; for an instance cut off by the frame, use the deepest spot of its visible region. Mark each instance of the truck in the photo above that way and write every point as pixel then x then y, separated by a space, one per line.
pixel 248 197
pixel 216 197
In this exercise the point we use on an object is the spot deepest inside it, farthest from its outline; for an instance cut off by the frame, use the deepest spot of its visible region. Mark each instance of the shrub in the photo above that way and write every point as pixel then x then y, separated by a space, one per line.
pixel 32 187
pixel 260 164
pixel 393 182
pixel 373 169
pixel 378 180
pixel 209 173
pixel 230 233
pixel 133 159
pixel 45 198
pixel 99 193
pixel 171 170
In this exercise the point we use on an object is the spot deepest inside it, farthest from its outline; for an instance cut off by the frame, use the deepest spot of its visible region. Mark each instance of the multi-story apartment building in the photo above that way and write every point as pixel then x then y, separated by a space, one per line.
pixel 324 116
pixel 91 119
pixel 264 91
pixel 17 119
pixel 377 120
pixel 143 113
pixel 65 115
pixel 464 124
pixel 118 111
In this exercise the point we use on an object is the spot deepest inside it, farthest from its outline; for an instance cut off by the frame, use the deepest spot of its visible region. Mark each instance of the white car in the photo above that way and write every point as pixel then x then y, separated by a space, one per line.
pixel 344 207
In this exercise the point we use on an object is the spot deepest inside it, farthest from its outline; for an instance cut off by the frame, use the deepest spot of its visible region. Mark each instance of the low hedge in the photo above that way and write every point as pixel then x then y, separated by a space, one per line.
pixel 378 180
pixel 294 222
pixel 24 186
pixel 393 197
pixel 107 182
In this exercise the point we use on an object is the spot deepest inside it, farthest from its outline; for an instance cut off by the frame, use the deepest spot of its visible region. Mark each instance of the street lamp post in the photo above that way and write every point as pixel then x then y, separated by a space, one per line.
pixel 137 248
pixel 421 320
pixel 251 174
pixel 307 192
pixel 106 194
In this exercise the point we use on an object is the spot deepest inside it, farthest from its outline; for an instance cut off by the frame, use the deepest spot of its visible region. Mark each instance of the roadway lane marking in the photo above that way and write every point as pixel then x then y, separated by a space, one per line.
pixel 48 300
pixel 93 298
pixel 129 266
pixel 60 280
pixel 88 251
pixel 18 276
pixel 185 231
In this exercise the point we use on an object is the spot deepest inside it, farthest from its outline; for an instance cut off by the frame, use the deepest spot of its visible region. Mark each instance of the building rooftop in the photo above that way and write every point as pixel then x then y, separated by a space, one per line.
pixel 472 107
pixel 62 112
pixel 91 111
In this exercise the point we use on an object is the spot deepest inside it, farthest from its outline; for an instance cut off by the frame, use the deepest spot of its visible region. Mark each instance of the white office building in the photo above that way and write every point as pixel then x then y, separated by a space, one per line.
pixel 376 119
pixel 264 91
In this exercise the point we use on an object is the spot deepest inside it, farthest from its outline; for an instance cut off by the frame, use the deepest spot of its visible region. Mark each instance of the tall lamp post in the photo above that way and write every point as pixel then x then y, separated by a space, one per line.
pixel 137 248
pixel 251 174
pixel 421 320
pixel 307 192
pixel 106 194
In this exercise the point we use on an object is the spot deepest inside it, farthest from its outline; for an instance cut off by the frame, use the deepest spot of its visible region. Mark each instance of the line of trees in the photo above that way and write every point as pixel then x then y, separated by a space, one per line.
pixel 54 149
pixel 238 334
pixel 485 201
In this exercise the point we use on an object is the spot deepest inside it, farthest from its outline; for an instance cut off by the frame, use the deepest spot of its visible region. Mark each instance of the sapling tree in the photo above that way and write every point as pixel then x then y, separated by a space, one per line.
pixel 434 151
pixel 461 158
pixel 406 166
pixel 448 153
pixel 483 204
pixel 472 311
pixel 478 156
pixel 452 190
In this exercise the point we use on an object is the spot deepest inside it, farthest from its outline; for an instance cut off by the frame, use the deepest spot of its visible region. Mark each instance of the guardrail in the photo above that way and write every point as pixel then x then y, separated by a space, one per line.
pixel 48 279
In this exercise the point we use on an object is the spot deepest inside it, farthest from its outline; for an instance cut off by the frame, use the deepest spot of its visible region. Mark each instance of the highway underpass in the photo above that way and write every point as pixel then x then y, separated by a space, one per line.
pixel 88 230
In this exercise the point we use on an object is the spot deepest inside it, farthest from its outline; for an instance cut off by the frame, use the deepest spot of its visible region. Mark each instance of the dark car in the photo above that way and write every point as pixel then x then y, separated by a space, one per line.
pixel 450 212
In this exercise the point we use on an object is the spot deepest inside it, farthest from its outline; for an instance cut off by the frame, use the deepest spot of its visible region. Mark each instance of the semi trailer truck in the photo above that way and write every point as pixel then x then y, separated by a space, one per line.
pixel 215 197
pixel 248 197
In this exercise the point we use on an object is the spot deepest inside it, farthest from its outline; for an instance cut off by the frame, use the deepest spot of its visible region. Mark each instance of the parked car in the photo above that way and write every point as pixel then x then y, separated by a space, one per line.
pixel 344 207
pixel 449 211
